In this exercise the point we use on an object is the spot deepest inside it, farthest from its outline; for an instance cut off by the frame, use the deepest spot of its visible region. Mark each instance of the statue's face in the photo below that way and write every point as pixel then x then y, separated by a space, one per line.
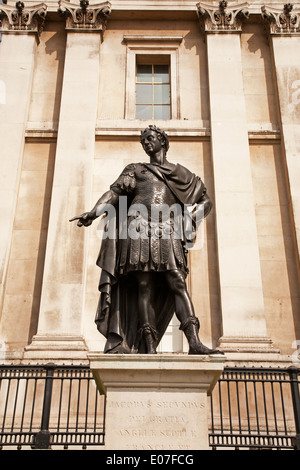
pixel 151 143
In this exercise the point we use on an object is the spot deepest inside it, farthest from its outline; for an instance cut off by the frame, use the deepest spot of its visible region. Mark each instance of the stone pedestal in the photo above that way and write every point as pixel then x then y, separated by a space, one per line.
pixel 156 402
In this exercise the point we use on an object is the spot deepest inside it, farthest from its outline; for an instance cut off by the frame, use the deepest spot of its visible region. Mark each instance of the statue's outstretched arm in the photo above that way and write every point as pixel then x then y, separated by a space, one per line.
pixel 87 218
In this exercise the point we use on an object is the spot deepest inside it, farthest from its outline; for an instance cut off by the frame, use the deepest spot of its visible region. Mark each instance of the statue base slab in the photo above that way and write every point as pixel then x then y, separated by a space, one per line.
pixel 156 402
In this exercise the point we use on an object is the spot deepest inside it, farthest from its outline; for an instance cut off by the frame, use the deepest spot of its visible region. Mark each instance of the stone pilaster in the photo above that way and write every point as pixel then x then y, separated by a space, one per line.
pixel 242 303
pixel 21 19
pixel 282 21
pixel 62 301
pixel 85 18
pixel 283 26
pixel 223 18
pixel 20 27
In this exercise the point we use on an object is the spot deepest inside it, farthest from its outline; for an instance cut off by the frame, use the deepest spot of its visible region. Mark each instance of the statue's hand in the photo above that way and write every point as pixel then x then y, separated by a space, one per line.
pixel 85 219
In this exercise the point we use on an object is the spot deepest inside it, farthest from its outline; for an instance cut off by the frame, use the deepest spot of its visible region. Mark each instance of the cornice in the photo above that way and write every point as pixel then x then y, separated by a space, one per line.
pixel 138 38
pixel 85 17
pixel 21 19
pixel 282 21
pixel 214 16
pixel 223 18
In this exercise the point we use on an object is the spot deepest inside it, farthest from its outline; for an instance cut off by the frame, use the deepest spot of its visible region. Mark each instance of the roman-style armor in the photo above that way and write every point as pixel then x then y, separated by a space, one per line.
pixel 155 236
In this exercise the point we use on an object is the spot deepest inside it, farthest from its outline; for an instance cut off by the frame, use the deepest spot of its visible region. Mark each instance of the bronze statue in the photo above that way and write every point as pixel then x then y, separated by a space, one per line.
pixel 143 279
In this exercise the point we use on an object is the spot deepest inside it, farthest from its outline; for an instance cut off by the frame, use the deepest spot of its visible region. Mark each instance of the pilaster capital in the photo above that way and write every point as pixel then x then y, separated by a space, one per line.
pixel 223 18
pixel 85 17
pixel 284 21
pixel 21 19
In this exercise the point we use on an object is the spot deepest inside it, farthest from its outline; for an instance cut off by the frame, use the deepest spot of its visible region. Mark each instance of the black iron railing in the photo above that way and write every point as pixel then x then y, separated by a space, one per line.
pixel 256 409
pixel 43 406
pixel 59 407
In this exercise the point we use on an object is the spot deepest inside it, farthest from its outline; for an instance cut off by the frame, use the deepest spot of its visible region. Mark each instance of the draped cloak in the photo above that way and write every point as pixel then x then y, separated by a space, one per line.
pixel 117 312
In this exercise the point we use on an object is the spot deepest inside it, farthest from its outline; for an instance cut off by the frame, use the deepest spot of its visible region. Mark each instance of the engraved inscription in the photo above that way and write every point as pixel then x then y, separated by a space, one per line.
pixel 158 424
pixel 137 432
pixel 159 404
pixel 157 419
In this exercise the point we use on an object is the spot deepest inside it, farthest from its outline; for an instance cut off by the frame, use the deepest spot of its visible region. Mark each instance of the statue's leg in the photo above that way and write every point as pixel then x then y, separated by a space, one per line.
pixel 183 304
pixel 146 310
pixel 185 313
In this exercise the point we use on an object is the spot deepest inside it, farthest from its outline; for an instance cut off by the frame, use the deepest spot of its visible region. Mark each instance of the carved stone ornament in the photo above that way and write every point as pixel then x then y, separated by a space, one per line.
pixel 23 19
pixel 85 17
pixel 282 21
pixel 223 18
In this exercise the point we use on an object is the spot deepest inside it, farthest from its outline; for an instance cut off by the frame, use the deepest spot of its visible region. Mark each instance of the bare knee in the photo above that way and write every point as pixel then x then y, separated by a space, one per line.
pixel 176 281
pixel 144 284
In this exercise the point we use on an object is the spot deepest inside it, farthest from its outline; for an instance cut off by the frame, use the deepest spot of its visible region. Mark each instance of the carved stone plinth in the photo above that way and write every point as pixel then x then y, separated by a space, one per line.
pixel 156 402
pixel 61 347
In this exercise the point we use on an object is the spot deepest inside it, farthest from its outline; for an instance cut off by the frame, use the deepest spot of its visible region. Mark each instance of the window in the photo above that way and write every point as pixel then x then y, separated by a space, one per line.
pixel 152 77
pixel 153 91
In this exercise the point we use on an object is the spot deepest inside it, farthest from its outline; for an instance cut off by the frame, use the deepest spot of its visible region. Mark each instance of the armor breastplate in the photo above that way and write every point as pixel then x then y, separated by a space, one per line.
pixel 153 243
pixel 151 190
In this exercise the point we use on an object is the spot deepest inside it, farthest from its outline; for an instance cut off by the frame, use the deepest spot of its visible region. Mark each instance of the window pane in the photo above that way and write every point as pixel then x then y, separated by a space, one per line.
pixel 144 73
pixel 162 94
pixel 162 112
pixel 143 112
pixel 161 73
pixel 143 94
pixel 153 90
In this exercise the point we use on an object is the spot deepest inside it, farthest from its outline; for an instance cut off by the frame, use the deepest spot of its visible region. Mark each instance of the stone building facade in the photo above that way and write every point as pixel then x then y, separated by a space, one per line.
pixel 70 123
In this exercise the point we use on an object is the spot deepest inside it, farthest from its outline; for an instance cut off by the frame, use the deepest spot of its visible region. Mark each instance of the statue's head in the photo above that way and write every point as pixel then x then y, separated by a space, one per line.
pixel 161 135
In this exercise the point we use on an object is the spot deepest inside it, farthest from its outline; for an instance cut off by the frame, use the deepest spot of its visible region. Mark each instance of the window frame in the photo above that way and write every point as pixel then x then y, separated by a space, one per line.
pixel 155 46
pixel 153 62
